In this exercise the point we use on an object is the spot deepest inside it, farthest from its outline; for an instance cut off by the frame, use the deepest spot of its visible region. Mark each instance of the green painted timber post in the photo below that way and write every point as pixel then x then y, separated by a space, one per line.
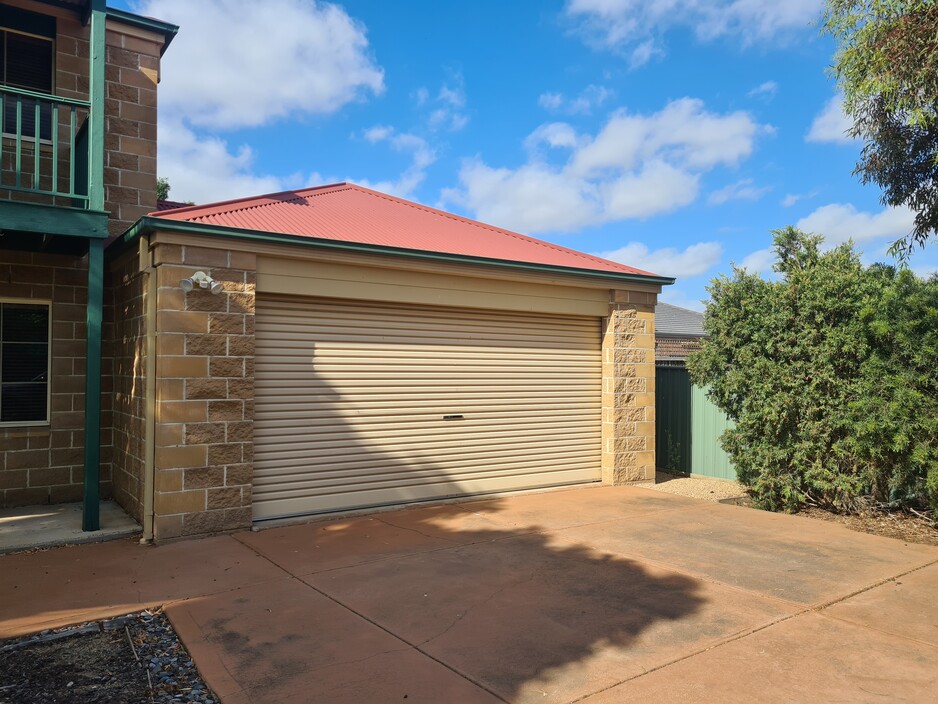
pixel 96 113
pixel 91 513
pixel 91 509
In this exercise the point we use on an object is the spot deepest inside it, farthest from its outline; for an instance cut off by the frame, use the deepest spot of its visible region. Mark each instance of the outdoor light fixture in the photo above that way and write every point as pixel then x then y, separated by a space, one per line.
pixel 203 280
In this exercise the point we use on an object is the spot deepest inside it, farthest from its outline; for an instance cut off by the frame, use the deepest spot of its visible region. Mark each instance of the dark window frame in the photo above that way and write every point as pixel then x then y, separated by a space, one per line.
pixel 4 301
pixel 8 119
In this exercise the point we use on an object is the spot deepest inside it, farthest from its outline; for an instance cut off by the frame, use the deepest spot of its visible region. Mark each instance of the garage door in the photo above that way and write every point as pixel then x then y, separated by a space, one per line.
pixel 362 405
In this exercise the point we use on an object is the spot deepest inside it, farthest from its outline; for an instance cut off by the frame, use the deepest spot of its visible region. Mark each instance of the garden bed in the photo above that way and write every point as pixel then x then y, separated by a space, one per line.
pixel 900 525
pixel 134 658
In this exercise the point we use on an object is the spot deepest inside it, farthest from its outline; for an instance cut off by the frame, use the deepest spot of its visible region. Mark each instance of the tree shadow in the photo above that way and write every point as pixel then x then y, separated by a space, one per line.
pixel 492 589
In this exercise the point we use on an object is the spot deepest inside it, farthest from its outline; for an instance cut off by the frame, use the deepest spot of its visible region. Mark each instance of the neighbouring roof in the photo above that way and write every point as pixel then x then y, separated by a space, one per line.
pixel 162 205
pixel 347 213
pixel 672 320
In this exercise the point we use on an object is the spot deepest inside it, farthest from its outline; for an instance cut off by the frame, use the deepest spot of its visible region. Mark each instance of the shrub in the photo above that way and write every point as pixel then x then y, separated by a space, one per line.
pixel 829 374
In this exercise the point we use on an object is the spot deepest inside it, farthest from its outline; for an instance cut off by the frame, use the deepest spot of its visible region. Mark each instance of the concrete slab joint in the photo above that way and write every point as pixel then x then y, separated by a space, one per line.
pixel 205 389
pixel 628 399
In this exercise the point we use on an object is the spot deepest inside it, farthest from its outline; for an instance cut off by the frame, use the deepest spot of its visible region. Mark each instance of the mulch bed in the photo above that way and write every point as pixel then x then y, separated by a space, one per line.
pixel 890 524
pixel 134 658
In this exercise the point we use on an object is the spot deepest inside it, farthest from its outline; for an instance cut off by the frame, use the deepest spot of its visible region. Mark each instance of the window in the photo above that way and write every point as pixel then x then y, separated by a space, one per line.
pixel 24 362
pixel 27 50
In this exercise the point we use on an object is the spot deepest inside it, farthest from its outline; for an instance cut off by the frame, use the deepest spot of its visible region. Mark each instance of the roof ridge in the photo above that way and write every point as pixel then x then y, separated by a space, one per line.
pixel 251 201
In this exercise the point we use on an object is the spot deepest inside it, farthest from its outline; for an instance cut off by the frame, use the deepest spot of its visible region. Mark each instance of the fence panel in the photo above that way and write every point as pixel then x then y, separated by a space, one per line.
pixel 688 427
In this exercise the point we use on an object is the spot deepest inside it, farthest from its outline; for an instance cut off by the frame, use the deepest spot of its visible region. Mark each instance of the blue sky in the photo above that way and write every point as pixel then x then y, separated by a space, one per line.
pixel 671 135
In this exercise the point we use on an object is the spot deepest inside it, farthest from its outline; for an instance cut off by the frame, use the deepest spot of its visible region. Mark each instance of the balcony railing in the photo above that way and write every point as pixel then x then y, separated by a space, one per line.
pixel 44 148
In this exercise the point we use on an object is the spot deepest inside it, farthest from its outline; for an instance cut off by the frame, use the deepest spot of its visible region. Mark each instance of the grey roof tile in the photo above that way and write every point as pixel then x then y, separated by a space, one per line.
pixel 672 320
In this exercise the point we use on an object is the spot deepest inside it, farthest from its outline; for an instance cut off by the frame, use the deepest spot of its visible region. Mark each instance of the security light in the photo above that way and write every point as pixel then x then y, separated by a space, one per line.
pixel 203 280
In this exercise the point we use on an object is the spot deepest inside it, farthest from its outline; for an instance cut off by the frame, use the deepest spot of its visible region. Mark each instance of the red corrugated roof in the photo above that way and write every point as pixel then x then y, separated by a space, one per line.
pixel 349 213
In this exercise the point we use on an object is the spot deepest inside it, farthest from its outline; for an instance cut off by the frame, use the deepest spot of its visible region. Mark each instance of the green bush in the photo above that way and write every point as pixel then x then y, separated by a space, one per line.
pixel 830 374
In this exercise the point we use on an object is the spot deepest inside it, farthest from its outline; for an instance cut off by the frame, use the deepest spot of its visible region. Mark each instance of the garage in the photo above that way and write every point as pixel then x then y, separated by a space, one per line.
pixel 335 348
pixel 362 404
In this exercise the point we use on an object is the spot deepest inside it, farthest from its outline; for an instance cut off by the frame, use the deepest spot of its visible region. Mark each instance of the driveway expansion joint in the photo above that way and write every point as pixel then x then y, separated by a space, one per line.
pixel 825 605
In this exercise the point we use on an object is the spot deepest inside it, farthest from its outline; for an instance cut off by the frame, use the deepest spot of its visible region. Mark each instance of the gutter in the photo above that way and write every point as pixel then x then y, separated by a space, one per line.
pixel 148 23
pixel 149 224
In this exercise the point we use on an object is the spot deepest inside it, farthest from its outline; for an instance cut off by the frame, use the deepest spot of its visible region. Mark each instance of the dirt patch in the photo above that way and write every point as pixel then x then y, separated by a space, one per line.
pixel 896 524
pixel 703 488
pixel 136 658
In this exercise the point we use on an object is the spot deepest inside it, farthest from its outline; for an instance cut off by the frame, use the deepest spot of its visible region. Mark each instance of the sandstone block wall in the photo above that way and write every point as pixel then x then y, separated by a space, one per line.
pixel 45 463
pixel 205 381
pixel 628 402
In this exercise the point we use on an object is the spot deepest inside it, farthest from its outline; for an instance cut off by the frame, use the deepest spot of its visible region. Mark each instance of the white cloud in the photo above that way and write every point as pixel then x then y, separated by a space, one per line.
pixel 791 198
pixel 839 222
pixel 240 63
pixel 311 59
pixel 677 297
pixel 831 124
pixel 764 90
pixel 591 97
pixel 643 53
pixel 637 166
pixel 741 190
pixel 421 153
pixel 204 170
pixel 550 101
pixel 378 133
pixel 683 132
pixel 636 27
pixel 695 260
pixel 450 102
pixel 759 262
pixel 533 198
pixel 556 135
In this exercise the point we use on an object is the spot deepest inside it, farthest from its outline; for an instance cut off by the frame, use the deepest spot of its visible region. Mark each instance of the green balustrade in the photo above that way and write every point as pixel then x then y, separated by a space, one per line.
pixel 44 145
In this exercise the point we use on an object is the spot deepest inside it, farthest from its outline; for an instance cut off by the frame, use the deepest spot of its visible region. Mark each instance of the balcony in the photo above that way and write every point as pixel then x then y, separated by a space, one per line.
pixel 44 150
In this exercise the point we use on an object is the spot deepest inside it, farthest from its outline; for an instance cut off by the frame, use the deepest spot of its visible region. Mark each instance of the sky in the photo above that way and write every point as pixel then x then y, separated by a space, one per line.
pixel 669 135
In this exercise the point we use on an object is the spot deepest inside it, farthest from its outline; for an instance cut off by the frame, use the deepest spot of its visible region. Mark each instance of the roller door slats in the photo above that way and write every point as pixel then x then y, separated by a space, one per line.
pixel 363 470
pixel 350 398
pixel 407 478
pixel 390 433
pixel 335 452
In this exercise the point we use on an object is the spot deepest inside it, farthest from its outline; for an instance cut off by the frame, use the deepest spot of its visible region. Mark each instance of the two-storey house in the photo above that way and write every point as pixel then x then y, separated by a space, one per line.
pixel 78 87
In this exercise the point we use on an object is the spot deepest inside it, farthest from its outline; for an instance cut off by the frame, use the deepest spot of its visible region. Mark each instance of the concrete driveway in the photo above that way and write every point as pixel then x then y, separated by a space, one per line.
pixel 594 595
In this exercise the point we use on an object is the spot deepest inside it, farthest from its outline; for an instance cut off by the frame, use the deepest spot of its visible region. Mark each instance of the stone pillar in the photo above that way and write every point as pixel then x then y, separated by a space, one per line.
pixel 205 393
pixel 629 388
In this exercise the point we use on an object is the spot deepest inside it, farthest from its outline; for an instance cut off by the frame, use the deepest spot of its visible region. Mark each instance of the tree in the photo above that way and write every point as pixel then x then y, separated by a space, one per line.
pixel 887 66
pixel 162 189
pixel 828 374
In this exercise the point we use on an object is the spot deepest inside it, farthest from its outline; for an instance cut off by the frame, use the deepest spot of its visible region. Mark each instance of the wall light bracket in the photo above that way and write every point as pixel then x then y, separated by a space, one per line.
pixel 202 280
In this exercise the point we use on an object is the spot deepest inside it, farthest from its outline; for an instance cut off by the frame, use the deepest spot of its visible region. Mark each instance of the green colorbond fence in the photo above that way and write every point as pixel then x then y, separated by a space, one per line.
pixel 688 427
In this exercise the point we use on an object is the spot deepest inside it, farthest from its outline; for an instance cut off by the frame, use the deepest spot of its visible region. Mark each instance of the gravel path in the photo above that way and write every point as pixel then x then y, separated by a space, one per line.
pixel 704 488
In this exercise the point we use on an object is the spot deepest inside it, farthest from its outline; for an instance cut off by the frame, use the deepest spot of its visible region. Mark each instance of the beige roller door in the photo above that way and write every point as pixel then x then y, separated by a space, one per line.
pixel 366 404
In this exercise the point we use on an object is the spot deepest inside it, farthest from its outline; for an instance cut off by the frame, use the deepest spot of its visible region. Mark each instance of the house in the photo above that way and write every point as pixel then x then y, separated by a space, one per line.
pixel 678 333
pixel 77 163
pixel 324 349
pixel 689 425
